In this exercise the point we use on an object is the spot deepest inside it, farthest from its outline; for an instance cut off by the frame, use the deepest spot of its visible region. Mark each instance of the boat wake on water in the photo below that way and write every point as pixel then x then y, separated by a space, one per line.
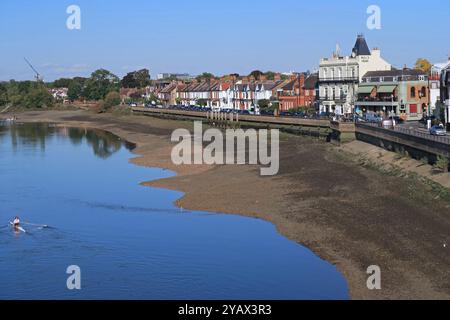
pixel 21 229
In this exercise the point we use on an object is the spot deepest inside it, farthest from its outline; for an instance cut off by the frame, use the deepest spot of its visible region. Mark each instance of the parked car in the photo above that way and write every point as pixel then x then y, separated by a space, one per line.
pixel 438 131
pixel 373 118
pixel 266 113
pixel 387 124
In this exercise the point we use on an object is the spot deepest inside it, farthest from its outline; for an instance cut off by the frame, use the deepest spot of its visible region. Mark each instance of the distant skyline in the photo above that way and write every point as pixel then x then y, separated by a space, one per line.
pixel 220 37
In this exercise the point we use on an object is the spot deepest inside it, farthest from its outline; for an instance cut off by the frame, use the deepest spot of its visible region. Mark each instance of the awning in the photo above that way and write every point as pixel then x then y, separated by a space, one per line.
pixel 386 89
pixel 365 89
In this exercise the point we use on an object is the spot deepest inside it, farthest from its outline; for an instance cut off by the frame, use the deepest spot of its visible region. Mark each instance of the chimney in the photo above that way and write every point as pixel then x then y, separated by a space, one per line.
pixel 277 77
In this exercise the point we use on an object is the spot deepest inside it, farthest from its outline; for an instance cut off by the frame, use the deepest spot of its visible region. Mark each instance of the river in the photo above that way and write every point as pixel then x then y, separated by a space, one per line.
pixel 129 241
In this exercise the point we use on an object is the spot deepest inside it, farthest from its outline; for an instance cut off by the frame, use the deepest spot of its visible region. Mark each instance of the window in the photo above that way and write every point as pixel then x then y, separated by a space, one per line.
pixel 413 92
pixel 424 108
pixel 423 92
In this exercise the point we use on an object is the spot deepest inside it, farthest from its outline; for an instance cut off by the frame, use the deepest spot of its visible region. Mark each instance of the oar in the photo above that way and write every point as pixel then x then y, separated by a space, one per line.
pixel 36 225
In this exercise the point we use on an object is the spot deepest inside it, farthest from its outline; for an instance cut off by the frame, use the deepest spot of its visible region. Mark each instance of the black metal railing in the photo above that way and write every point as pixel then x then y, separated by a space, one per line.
pixel 376 99
pixel 411 132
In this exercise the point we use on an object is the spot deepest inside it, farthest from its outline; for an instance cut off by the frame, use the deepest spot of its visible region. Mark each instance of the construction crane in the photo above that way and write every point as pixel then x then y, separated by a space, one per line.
pixel 37 76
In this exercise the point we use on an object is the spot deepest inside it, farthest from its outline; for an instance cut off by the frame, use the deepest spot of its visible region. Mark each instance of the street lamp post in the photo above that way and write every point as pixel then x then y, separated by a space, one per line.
pixel 392 110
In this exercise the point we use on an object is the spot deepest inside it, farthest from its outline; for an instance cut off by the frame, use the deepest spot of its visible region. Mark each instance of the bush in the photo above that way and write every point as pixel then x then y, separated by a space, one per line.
pixel 112 99
pixel 441 163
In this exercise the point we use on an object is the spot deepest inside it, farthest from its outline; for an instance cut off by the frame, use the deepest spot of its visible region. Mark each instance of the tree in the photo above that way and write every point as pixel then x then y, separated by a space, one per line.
pixel 38 97
pixel 112 99
pixel 74 91
pixel 423 65
pixel 263 104
pixel 61 83
pixel 270 75
pixel 202 102
pixel 256 74
pixel 136 79
pixel 3 94
pixel 100 84
pixel 205 76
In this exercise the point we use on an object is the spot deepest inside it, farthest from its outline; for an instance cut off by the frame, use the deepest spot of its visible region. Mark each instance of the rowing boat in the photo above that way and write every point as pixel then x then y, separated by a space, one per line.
pixel 17 228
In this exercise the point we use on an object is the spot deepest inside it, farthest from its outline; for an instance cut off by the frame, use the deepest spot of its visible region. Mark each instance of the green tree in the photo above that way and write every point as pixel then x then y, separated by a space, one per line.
pixel 136 79
pixel 270 75
pixel 202 102
pixel 256 74
pixel 264 104
pixel 38 97
pixel 100 84
pixel 3 94
pixel 423 65
pixel 61 83
pixel 205 76
pixel 75 91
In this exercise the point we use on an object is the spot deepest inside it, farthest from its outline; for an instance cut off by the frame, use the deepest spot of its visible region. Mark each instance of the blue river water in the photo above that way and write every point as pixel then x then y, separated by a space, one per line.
pixel 129 241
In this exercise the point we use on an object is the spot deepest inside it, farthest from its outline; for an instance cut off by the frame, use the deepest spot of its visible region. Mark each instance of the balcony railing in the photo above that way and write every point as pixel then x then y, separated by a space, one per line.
pixel 376 99
pixel 332 98
pixel 338 79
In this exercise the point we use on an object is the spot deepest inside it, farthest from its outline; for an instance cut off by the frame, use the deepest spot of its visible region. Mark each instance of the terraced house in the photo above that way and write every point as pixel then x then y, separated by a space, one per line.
pixel 404 93
pixel 247 94
pixel 168 94
pixel 300 91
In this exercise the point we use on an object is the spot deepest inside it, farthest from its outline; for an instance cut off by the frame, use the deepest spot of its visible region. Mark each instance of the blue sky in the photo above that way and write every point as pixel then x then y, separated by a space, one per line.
pixel 217 36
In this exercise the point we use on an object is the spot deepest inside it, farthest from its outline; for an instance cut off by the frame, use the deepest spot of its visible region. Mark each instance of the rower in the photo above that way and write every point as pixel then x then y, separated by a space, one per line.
pixel 16 222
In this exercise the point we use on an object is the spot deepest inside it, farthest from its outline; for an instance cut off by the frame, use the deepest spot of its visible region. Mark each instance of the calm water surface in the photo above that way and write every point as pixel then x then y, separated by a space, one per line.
pixel 130 241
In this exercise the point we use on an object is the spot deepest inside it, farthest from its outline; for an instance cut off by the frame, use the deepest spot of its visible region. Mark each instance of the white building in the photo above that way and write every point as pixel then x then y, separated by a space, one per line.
pixel 339 76
pixel 445 92
pixel 435 86
pixel 60 94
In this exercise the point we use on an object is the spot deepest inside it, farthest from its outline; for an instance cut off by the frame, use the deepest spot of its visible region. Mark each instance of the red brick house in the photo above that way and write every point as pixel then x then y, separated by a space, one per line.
pixel 299 92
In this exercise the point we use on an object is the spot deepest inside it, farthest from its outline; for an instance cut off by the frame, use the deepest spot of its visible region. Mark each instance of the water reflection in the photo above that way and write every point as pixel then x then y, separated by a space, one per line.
pixel 103 143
